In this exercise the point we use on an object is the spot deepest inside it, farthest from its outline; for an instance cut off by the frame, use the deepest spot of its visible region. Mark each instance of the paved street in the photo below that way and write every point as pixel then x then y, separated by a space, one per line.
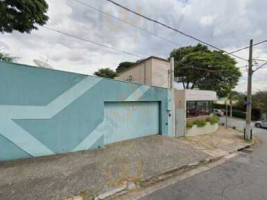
pixel 241 178
pixel 234 122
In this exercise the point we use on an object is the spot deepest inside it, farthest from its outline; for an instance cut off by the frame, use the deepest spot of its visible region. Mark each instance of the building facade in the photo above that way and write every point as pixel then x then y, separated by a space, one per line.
pixel 152 71
pixel 192 105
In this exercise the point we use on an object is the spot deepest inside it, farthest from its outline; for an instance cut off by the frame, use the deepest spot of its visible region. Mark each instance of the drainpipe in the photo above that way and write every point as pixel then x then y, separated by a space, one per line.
pixel 145 73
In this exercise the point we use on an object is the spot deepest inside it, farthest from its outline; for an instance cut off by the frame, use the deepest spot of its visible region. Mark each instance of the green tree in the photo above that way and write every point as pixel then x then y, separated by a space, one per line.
pixel 106 73
pixel 259 100
pixel 6 58
pixel 123 66
pixel 240 98
pixel 199 67
pixel 22 16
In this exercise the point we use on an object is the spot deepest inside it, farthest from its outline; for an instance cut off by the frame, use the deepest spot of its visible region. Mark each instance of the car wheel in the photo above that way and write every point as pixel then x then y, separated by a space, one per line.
pixel 258 125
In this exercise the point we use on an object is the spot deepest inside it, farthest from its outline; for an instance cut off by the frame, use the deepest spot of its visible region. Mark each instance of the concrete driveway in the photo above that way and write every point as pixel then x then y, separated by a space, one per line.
pixel 92 172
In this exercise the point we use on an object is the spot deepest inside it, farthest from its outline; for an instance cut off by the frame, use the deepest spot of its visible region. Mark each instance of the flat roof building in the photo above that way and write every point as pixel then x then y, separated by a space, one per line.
pixel 153 71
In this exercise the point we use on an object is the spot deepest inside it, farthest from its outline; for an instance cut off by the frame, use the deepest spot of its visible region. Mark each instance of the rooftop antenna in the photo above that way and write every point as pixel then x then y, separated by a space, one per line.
pixel 42 64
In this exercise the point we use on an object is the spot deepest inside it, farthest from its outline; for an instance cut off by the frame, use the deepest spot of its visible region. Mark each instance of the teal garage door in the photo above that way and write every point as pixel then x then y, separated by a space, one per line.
pixel 129 120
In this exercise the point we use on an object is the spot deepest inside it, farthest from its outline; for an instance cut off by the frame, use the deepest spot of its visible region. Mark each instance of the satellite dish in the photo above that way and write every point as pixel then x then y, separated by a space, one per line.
pixel 42 64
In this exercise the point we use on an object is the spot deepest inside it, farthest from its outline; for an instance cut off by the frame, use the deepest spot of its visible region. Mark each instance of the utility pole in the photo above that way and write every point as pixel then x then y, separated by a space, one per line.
pixel 173 95
pixel 231 101
pixel 248 129
pixel 231 107
pixel 226 114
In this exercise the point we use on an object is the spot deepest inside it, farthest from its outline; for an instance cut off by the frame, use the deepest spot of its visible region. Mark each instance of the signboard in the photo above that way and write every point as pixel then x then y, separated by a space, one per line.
pixel 200 95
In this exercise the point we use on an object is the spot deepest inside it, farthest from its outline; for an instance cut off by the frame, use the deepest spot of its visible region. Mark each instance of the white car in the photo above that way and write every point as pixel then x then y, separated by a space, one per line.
pixel 261 124
pixel 218 112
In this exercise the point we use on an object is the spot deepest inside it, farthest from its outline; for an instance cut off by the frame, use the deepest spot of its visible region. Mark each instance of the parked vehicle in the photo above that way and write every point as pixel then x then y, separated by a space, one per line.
pixel 218 112
pixel 261 124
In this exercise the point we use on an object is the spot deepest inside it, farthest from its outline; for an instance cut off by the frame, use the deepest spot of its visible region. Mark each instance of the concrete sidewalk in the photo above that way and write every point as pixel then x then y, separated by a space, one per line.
pixel 222 143
pixel 93 172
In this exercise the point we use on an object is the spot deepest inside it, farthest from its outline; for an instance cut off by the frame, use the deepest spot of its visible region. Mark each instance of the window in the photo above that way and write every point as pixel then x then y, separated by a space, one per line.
pixel 130 78
pixel 198 108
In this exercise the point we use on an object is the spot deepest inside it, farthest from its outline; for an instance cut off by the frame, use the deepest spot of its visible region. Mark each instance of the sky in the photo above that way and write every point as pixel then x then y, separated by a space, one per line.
pixel 227 24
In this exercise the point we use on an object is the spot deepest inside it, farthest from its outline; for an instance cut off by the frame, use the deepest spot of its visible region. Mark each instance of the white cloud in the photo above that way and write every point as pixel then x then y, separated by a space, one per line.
pixel 207 20
pixel 227 24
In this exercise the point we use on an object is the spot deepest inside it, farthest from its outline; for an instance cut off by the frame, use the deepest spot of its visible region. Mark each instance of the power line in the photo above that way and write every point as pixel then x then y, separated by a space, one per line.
pixel 92 42
pixel 258 59
pixel 243 66
pixel 248 47
pixel 260 67
pixel 148 32
pixel 122 51
pixel 173 29
pixel 209 70
pixel 126 22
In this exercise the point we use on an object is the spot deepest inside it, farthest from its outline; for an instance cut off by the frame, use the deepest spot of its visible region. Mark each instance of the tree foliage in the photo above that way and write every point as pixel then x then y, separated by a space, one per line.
pixel 123 66
pixel 6 58
pixel 106 73
pixel 199 67
pixel 22 15
pixel 240 99
pixel 259 100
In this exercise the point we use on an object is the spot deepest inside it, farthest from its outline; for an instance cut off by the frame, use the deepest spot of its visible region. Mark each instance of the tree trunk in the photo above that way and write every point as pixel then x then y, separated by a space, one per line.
pixel 183 83
pixel 187 85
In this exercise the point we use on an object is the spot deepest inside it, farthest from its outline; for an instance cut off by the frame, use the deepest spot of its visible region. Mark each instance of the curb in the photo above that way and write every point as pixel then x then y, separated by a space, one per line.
pixel 128 186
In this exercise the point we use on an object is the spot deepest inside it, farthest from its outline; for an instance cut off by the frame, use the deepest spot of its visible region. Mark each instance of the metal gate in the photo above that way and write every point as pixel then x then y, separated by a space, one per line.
pixel 129 120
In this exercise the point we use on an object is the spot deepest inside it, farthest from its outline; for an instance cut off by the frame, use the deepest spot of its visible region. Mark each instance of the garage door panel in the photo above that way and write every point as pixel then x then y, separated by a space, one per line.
pixel 129 120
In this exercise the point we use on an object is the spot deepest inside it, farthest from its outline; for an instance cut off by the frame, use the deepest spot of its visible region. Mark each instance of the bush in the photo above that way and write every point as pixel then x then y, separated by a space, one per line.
pixel 213 120
pixel 256 114
pixel 239 114
pixel 223 106
pixel 200 123
pixel 219 106
pixel 189 125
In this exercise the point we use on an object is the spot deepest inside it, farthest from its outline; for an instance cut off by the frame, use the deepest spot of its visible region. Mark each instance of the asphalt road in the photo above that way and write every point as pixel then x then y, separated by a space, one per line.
pixel 241 178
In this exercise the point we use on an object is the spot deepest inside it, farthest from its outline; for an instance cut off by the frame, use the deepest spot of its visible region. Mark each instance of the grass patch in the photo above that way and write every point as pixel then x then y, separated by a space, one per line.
pixel 141 184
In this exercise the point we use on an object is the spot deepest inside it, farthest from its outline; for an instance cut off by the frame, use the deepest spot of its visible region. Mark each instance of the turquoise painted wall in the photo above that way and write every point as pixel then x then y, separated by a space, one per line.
pixel 45 112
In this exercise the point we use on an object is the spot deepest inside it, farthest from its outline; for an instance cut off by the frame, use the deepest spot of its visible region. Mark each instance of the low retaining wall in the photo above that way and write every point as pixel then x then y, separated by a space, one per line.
pixel 208 129
pixel 204 117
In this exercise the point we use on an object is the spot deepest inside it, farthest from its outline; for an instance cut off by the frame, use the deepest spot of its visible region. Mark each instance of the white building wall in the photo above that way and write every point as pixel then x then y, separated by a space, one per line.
pixel 134 74
pixel 160 73
pixel 153 72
